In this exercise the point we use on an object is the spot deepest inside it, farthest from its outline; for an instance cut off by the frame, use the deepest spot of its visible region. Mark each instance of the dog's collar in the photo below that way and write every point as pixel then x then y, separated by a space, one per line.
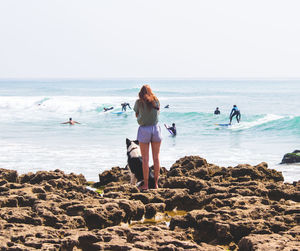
pixel 132 150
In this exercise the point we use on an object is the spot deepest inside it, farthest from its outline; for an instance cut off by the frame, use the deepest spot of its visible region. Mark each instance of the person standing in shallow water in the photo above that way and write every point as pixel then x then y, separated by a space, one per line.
pixel 173 129
pixel 217 111
pixel 147 110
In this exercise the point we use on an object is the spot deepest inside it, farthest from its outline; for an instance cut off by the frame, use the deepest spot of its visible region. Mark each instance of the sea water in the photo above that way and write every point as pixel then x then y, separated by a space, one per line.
pixel 32 137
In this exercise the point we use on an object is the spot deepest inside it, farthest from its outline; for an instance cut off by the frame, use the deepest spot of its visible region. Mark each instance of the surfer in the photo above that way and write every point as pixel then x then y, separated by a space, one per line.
pixel 235 112
pixel 124 105
pixel 217 111
pixel 107 109
pixel 167 106
pixel 172 129
pixel 71 122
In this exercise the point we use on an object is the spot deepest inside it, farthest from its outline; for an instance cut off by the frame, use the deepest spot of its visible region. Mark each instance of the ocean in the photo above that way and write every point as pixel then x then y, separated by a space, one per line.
pixel 32 137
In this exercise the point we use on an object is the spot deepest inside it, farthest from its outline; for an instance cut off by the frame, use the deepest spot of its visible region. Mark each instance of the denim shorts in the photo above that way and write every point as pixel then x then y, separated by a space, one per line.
pixel 147 134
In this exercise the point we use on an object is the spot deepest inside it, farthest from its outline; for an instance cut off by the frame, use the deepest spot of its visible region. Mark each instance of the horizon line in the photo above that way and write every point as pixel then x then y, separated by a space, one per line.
pixel 149 78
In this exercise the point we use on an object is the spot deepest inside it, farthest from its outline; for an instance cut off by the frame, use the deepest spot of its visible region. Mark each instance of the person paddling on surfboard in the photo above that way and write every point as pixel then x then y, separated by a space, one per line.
pixel 107 109
pixel 235 112
pixel 124 106
pixel 71 122
pixel 172 129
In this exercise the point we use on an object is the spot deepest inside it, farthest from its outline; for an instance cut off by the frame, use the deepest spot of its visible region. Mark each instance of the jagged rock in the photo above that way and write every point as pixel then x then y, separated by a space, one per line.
pixel 116 174
pixel 152 208
pixel 186 164
pixel 269 242
pixel 87 240
pixel 42 176
pixel 232 207
pixel 259 172
pixel 38 190
pixel 8 175
pixel 124 188
pixel 145 198
pixel 152 238
pixel 134 210
pixel 194 185
pixel 293 157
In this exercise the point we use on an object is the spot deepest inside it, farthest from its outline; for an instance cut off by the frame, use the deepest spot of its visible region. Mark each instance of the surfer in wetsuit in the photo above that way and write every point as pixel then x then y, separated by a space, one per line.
pixel 71 122
pixel 235 112
pixel 167 106
pixel 173 129
pixel 217 111
pixel 107 109
pixel 124 106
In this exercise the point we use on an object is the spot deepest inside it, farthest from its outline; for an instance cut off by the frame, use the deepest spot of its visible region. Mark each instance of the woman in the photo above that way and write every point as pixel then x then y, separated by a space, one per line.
pixel 147 110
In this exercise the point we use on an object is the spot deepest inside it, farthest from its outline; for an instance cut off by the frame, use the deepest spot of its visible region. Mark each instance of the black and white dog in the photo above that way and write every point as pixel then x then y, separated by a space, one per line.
pixel 135 164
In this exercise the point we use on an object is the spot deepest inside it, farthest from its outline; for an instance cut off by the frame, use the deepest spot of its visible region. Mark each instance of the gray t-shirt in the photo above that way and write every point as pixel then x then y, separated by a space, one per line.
pixel 146 116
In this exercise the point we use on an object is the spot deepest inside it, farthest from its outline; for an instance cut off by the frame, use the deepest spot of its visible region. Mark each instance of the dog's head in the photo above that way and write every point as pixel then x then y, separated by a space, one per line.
pixel 131 142
pixel 132 146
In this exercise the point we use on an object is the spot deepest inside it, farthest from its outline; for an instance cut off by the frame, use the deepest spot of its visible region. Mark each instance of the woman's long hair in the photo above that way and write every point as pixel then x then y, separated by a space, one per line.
pixel 147 97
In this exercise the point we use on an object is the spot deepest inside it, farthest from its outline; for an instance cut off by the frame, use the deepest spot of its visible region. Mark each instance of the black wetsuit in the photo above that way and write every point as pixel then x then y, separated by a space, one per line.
pixel 107 109
pixel 235 112
pixel 217 112
pixel 124 106
pixel 173 129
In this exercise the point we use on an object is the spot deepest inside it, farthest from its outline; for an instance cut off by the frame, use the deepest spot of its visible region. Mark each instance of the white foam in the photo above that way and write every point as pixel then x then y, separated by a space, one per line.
pixel 246 125
pixel 32 108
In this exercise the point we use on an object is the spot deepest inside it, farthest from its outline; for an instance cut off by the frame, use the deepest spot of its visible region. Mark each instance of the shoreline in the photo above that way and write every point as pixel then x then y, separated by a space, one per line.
pixel 279 167
pixel 208 208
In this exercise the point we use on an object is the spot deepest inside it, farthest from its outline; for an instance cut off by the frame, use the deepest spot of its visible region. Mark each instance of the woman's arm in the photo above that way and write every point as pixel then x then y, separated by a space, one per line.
pixel 136 108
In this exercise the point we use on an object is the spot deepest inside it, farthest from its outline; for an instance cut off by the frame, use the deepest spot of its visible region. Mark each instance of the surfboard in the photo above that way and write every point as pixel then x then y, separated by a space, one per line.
pixel 169 130
pixel 118 113
pixel 223 124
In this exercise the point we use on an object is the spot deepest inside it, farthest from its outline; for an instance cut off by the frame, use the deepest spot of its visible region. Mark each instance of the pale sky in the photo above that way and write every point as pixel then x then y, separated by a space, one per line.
pixel 149 38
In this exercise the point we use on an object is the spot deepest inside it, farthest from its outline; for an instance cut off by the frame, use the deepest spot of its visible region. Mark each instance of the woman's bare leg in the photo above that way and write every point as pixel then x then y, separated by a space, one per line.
pixel 155 154
pixel 145 155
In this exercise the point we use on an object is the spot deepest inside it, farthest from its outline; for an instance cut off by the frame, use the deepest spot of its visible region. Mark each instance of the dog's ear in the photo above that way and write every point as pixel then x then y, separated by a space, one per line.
pixel 128 142
pixel 136 141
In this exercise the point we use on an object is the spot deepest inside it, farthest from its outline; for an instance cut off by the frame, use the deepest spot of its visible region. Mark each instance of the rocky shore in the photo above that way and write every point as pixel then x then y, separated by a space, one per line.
pixel 199 206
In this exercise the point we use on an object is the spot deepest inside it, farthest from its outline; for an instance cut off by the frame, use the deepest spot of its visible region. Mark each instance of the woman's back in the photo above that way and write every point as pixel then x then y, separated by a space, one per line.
pixel 146 115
